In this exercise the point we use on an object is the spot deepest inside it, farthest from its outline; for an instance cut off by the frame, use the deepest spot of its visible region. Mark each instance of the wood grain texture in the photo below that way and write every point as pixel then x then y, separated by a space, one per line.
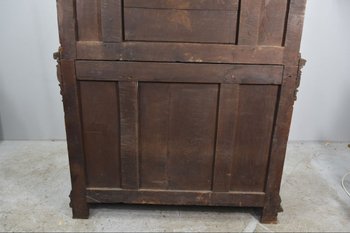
pixel 192 130
pixel 180 52
pixel 250 199
pixel 111 21
pixel 279 146
pixel 67 28
pixel 249 23
pixel 272 22
pixel 180 25
pixel 73 124
pixel 253 137
pixel 175 72
pixel 100 115
pixel 213 5
pixel 129 135
pixel 154 135
pixel 227 126
pixel 294 32
pixel 89 19
pixel 186 124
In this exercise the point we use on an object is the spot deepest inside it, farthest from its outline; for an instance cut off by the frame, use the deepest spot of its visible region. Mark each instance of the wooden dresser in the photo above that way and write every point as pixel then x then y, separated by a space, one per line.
pixel 178 102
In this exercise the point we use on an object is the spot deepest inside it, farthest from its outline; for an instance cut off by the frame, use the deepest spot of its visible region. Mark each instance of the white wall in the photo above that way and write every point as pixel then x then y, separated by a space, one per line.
pixel 30 104
pixel 322 111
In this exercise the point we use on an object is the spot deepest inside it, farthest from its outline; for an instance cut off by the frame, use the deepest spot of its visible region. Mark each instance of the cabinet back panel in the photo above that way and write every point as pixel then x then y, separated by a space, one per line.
pixel 177 135
pixel 88 19
pixel 100 113
pixel 255 22
pixel 257 107
pixel 180 25
pixel 178 101
pixel 263 22
pixel 183 4
pixel 177 131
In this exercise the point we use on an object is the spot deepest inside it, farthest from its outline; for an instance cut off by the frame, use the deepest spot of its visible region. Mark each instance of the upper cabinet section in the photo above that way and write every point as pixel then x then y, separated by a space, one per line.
pixel 200 31
pixel 242 22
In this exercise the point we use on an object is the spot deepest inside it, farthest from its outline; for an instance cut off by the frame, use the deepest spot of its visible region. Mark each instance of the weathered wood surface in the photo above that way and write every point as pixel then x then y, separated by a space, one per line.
pixel 180 52
pixel 178 101
pixel 175 72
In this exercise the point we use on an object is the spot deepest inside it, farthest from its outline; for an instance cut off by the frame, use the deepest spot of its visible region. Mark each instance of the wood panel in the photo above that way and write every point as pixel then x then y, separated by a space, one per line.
pixel 176 72
pixel 129 141
pixel 279 147
pixel 187 126
pixel 193 112
pixel 100 112
pixel 89 19
pixel 71 103
pixel 111 20
pixel 180 25
pixel 273 22
pixel 253 137
pixel 167 197
pixel 183 4
pixel 67 28
pixel 180 52
pixel 294 31
pixel 154 135
pixel 249 21
pixel 262 22
pixel 227 126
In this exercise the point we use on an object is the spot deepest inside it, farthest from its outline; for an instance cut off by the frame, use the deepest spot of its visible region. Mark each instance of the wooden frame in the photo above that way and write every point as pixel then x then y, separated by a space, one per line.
pixel 265 52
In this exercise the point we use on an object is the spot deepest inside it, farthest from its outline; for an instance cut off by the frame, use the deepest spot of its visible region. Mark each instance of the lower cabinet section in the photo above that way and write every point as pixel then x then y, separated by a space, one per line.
pixel 178 102
pixel 166 138
pixel 176 133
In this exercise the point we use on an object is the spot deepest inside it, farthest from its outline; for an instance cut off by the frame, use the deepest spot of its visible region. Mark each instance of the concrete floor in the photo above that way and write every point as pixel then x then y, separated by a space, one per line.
pixel 34 188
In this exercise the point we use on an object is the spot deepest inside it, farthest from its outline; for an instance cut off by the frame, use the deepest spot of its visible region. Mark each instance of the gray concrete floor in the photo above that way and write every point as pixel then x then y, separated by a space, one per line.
pixel 34 188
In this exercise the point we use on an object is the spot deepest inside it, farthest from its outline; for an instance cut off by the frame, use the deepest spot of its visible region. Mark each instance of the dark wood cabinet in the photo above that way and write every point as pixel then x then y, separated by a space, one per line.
pixel 184 102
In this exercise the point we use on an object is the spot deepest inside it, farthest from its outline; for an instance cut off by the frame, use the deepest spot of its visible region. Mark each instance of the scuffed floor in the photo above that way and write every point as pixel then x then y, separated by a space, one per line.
pixel 34 188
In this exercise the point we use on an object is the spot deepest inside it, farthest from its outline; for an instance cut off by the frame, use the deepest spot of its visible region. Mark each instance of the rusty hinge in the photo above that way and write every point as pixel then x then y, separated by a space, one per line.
pixel 302 63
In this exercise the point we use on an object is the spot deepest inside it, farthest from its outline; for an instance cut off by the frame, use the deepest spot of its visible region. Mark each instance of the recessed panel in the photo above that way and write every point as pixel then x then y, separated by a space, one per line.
pixel 255 120
pixel 181 21
pixel 100 117
pixel 177 135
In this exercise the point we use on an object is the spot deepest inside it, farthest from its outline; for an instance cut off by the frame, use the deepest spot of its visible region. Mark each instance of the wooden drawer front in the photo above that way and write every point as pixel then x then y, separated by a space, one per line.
pixel 169 134
pixel 181 21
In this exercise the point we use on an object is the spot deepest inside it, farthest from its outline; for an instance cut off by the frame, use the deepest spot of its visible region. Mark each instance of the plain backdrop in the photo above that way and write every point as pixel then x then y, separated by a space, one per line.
pixel 31 107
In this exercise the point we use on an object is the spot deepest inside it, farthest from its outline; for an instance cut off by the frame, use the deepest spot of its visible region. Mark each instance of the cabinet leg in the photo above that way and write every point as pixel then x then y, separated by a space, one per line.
pixel 269 216
pixel 80 211
pixel 270 212
pixel 80 208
